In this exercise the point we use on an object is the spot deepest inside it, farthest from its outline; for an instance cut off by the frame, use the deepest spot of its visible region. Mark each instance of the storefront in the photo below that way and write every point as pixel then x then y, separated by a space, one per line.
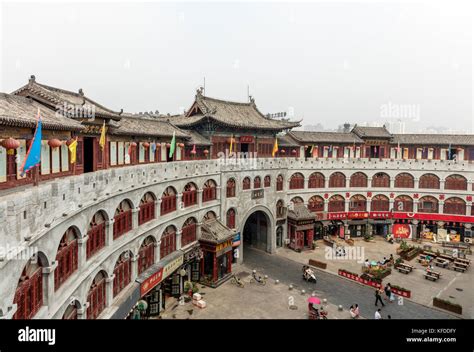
pixel 401 230
pixel 216 244
pixel 190 271
pixel 300 228
pixel 320 229
pixel 159 282
pixel 380 227
pixel 427 229
pixel 357 228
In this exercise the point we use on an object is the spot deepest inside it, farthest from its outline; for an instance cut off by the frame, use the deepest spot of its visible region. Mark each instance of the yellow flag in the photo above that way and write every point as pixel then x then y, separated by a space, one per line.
pixel 102 137
pixel 73 150
pixel 275 147
pixel 231 144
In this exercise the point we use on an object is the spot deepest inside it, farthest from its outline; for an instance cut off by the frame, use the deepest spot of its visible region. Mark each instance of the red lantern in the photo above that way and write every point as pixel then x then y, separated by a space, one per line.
pixel 293 152
pixel 146 145
pixel 206 151
pixel 10 143
pixel 133 144
pixel 54 143
pixel 283 151
pixel 181 145
pixel 168 145
pixel 193 152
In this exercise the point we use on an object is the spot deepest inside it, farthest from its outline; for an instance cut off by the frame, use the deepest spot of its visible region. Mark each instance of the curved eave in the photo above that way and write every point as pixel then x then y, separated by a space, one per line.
pixel 32 124
pixel 279 128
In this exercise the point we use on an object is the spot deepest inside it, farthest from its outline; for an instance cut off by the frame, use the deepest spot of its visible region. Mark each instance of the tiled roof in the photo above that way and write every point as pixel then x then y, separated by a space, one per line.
pixel 325 137
pixel 57 96
pixel 232 114
pixel 143 125
pixel 300 212
pixel 19 111
pixel 375 132
pixel 287 141
pixel 434 139
pixel 197 138
pixel 215 231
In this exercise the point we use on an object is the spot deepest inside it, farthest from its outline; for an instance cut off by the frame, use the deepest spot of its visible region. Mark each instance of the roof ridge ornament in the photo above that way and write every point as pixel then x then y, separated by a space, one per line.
pixel 32 79
pixel 200 92
pixel 81 92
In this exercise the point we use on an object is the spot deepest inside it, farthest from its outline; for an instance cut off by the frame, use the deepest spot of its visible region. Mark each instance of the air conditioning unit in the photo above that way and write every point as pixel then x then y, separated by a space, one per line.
pixel 287 241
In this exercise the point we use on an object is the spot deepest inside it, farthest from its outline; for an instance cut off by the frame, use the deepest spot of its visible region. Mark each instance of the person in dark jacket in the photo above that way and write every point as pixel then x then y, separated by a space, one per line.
pixel 378 298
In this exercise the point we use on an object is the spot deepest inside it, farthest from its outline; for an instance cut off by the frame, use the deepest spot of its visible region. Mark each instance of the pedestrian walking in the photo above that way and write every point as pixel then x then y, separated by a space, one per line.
pixel 378 298
pixel 378 316
pixel 356 311
pixel 388 292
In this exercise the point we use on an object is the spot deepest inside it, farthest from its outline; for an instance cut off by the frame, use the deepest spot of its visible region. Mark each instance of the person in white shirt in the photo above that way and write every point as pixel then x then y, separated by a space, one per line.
pixel 377 314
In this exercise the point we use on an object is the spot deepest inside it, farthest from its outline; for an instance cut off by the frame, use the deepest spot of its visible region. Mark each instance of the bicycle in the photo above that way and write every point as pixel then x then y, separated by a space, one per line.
pixel 258 279
pixel 236 281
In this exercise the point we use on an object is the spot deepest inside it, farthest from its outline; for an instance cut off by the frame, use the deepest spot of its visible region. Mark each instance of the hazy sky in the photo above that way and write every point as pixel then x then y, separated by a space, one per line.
pixel 330 62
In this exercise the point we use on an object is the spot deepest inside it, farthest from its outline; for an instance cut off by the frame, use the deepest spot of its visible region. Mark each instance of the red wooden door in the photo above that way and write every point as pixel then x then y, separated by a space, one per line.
pixel 299 240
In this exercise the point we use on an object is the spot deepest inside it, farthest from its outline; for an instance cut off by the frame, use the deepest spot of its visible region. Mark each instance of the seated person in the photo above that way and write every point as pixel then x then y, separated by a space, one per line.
pixel 367 263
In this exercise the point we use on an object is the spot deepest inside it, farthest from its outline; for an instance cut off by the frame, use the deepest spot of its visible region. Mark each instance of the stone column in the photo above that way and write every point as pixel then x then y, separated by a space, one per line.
pixel 157 251
pixel 440 207
pixel 109 290
pixel 369 204
pixel 392 182
pixel 415 205
pixel 135 213
pixel 109 232
pixel 48 282
pixel 348 182
pixel 468 210
pixel 82 251
pixel 179 234
pixel 179 199
pixel 326 205
pixel 417 182
pixel 326 182
pixel 346 205
pixel 157 208
pixel 441 184
pixel 134 264
pixel 391 202
pixel 199 195
pixel 306 182
pixel 414 227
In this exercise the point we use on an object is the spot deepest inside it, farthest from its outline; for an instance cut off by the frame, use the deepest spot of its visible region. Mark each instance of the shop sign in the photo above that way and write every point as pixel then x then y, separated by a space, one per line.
pixel 172 266
pixel 246 139
pixel 257 193
pixel 336 216
pixel 401 231
pixel 223 251
pixel 357 215
pixel 380 215
pixel 236 240
pixel 151 282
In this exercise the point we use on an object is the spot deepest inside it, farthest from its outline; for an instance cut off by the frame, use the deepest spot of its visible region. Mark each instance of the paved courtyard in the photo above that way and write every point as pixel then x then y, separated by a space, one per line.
pixel 453 286
pixel 277 301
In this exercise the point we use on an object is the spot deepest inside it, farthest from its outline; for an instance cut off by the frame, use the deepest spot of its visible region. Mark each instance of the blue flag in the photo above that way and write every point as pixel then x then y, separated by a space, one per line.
pixel 33 156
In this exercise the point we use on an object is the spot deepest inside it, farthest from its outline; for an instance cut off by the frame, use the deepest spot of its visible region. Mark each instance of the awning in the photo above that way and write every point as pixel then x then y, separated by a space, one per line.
pixel 357 222
pixel 324 222
pixel 126 302
pixel 300 212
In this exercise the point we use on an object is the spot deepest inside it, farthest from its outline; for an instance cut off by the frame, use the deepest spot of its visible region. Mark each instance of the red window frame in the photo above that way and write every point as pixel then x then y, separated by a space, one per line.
pixel 29 295
pixel 168 243
pixel 429 181
pixel 188 234
pixel 230 221
pixel 379 204
pixel 279 183
pixel 122 223
pixel 336 205
pixel 257 182
pixel 95 240
pixel 230 193
pixel 168 204
pixel 122 274
pixel 316 204
pixel 67 259
pixel 190 198
pixel 246 183
pixel 455 182
pixel 146 212
pixel 358 179
pixel 146 256
pixel 267 181
pixel 297 181
pixel 404 181
pixel 97 299
pixel 316 180
pixel 381 180
pixel 337 180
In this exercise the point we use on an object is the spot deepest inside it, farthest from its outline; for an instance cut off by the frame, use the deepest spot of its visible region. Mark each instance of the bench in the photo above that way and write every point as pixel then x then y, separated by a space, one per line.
pixel 427 247
pixel 433 273
pixel 442 264
pixel 404 270
pixel 459 268
pixel 431 277
pixel 462 261
pixel 405 266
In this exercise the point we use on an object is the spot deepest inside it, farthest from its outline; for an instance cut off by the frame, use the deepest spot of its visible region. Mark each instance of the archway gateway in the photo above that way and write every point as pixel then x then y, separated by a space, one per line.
pixel 256 231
